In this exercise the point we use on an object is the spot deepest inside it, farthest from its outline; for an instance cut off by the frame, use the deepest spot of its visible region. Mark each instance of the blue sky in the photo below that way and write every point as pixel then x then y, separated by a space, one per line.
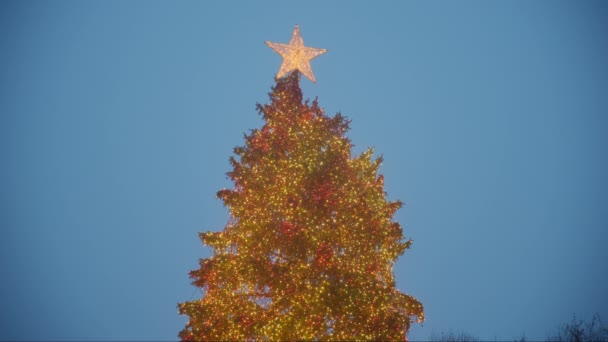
pixel 117 119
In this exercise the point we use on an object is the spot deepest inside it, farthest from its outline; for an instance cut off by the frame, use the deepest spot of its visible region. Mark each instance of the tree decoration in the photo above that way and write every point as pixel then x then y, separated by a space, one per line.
pixel 308 252
pixel 295 55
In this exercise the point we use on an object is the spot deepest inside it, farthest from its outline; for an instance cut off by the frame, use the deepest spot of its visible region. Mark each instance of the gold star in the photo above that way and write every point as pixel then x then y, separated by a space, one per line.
pixel 295 55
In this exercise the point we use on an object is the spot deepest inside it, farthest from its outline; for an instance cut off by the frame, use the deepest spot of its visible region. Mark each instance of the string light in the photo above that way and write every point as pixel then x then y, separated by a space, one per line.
pixel 310 246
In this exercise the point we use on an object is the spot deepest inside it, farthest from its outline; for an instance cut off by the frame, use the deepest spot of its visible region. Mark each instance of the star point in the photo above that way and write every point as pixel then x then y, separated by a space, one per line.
pixel 296 56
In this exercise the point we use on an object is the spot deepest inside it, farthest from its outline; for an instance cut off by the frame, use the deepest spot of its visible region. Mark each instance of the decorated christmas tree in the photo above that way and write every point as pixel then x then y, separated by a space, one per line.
pixel 308 252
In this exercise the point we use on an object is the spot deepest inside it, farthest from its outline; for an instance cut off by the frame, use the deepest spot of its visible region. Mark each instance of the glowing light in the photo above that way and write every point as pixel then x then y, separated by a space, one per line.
pixel 310 247
pixel 295 55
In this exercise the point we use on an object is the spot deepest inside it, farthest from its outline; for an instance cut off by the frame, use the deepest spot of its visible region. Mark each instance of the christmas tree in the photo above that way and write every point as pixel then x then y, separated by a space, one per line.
pixel 309 249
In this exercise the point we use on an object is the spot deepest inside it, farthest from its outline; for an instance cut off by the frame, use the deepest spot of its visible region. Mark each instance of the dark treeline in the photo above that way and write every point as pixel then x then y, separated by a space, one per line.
pixel 574 331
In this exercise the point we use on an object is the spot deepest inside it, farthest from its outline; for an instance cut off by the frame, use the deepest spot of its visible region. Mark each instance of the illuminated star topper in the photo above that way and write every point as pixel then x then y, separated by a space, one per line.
pixel 295 55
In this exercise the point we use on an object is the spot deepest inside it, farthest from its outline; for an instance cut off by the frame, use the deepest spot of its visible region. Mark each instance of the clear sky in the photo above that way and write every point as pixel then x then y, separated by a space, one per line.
pixel 117 119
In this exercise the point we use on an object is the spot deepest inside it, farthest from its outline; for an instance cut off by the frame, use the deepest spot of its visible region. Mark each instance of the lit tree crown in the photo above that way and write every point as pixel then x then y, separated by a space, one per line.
pixel 309 250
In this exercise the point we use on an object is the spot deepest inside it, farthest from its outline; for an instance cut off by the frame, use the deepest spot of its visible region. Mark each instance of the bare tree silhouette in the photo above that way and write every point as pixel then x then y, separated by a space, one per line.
pixel 453 336
pixel 579 331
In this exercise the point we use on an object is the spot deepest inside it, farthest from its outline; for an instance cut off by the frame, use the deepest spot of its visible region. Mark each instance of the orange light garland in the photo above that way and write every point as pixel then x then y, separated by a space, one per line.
pixel 310 247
